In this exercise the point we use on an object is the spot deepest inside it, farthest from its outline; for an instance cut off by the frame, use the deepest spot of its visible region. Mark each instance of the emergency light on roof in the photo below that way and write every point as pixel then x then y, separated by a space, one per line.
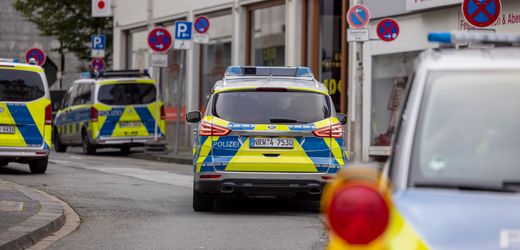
pixel 269 71
pixel 472 37
pixel 9 60
pixel 114 74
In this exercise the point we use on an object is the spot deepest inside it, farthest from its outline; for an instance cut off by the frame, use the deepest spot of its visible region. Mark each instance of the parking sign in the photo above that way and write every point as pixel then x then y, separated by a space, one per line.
pixel 183 30
pixel 99 42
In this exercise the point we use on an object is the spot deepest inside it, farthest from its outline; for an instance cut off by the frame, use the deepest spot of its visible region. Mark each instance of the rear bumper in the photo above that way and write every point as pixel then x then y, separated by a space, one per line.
pixel 23 152
pixel 263 184
pixel 136 141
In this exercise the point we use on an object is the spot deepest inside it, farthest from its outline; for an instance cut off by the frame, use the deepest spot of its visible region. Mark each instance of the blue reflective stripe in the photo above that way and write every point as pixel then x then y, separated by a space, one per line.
pixel 111 121
pixel 25 124
pixel 147 119
pixel 317 150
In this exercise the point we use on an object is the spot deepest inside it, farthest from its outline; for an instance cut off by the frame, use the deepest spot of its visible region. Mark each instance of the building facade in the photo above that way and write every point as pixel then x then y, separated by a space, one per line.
pixel 242 32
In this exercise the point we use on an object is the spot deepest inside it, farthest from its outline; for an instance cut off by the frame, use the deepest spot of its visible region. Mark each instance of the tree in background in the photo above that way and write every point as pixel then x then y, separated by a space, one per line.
pixel 68 21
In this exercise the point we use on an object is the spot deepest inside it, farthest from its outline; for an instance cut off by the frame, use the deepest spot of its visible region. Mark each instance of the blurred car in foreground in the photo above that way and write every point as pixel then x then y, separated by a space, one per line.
pixel 455 170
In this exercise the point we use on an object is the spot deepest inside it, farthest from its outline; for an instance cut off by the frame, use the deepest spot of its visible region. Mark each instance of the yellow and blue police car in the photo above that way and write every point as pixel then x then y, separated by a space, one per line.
pixel 267 131
pixel 454 172
pixel 25 115
pixel 113 109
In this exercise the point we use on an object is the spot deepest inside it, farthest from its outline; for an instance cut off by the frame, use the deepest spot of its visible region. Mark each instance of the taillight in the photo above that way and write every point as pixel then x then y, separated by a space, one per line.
pixel 358 214
pixel 334 131
pixel 163 114
pixel 48 115
pixel 94 114
pixel 208 129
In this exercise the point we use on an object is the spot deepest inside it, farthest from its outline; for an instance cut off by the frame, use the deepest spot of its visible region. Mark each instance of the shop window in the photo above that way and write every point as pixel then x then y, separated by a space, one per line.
pixel 267 35
pixel 215 57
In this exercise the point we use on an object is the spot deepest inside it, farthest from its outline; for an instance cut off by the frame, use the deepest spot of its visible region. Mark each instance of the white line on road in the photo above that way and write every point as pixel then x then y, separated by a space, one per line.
pixel 143 174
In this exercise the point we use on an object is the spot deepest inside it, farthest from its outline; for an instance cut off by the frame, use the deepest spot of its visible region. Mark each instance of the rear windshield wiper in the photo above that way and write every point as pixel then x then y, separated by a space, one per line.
pixel 285 120
pixel 467 187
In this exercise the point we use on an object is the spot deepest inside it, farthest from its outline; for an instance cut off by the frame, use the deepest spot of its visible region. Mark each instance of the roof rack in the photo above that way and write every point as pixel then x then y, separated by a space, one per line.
pixel 115 74
pixel 262 71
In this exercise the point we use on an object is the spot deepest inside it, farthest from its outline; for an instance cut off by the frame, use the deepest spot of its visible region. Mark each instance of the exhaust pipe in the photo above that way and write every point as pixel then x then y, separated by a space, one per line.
pixel 314 190
pixel 227 189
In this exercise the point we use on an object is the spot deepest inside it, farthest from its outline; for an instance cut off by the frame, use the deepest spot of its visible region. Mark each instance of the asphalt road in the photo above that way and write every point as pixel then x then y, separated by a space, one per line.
pixel 135 204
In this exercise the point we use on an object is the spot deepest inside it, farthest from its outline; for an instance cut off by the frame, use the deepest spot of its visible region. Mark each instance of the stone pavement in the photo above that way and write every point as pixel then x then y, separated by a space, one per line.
pixel 26 216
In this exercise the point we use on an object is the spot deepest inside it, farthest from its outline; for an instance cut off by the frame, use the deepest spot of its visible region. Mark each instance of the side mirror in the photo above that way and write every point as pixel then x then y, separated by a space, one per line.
pixel 193 116
pixel 343 119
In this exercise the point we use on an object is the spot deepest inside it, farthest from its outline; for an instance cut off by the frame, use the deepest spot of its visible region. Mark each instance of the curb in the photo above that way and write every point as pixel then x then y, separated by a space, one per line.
pixel 48 220
pixel 162 158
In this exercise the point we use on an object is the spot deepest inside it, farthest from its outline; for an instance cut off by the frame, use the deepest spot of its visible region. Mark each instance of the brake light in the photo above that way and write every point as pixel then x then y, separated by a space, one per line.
pixel 334 131
pixel 358 214
pixel 48 115
pixel 163 114
pixel 94 114
pixel 208 129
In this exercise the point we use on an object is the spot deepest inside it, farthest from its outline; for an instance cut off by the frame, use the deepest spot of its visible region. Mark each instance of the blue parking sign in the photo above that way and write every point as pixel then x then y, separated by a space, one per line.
pixel 183 30
pixel 99 42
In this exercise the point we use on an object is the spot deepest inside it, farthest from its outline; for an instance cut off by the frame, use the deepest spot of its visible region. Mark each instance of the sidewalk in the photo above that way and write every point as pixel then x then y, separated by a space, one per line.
pixel 184 156
pixel 26 216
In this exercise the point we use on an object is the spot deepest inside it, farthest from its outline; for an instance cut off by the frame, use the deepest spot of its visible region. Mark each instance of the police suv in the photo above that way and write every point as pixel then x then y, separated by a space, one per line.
pixel 267 131
pixel 25 115
pixel 117 109
pixel 455 172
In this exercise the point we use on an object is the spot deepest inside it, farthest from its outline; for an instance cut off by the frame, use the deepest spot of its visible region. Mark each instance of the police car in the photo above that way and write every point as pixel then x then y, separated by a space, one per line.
pixel 455 172
pixel 25 115
pixel 117 109
pixel 267 131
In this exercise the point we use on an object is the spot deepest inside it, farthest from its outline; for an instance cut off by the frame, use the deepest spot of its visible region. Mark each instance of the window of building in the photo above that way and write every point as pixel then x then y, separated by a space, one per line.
pixel 215 57
pixel 266 43
pixel 137 49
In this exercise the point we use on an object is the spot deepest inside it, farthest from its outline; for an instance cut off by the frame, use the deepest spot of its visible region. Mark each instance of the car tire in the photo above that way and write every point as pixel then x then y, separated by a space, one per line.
pixel 38 166
pixel 58 146
pixel 88 148
pixel 3 163
pixel 202 202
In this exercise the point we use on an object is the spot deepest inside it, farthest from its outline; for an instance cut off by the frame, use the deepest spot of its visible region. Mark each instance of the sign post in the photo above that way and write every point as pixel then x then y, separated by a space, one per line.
pixel 35 54
pixel 159 41
pixel 98 45
pixel 101 8
pixel 358 17
pixel 201 26
pixel 388 30
pixel 481 13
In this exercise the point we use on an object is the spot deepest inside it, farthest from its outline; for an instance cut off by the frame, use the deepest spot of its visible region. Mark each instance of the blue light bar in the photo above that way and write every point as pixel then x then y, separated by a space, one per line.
pixel 10 60
pixel 269 71
pixel 85 75
pixel 472 37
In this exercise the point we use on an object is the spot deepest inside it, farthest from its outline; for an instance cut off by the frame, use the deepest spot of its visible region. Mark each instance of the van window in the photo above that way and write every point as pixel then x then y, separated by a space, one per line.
pixel 20 86
pixel 127 94
pixel 82 95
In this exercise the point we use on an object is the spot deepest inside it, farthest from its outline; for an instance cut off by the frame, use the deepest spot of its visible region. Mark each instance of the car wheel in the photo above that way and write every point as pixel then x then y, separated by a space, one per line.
pixel 88 148
pixel 58 146
pixel 38 166
pixel 202 202
pixel 3 163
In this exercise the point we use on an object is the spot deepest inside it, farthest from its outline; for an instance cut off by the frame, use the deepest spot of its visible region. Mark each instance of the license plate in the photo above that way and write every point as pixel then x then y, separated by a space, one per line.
pixel 267 142
pixel 129 124
pixel 6 129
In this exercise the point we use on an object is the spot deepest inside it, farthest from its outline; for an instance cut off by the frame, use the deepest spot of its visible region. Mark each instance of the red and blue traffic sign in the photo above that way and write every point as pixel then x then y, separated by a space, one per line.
pixel 481 13
pixel 358 16
pixel 160 40
pixel 387 30
pixel 201 24
pixel 37 54
pixel 97 64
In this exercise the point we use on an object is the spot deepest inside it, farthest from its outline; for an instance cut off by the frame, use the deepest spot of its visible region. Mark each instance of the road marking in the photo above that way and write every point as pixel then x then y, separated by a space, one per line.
pixel 143 174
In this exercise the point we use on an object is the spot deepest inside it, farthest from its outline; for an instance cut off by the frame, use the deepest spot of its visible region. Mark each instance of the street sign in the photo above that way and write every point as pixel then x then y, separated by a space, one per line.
pixel 388 30
pixel 98 45
pixel 201 38
pixel 481 13
pixel 160 40
pixel 101 8
pixel 201 24
pixel 159 60
pixel 358 16
pixel 97 64
pixel 357 35
pixel 182 44
pixel 183 31
pixel 37 54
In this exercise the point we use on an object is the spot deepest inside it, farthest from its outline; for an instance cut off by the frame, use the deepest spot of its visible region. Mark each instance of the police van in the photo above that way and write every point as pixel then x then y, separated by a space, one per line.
pixel 25 115
pixel 267 131
pixel 113 109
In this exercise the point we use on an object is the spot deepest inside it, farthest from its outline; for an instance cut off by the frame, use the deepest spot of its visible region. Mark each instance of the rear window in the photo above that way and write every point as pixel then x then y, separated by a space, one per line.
pixel 271 107
pixel 127 94
pixel 20 86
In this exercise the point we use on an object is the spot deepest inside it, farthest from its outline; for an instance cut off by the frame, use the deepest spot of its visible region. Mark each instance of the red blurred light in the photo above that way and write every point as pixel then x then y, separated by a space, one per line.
pixel 94 114
pixel 358 214
pixel 48 115
pixel 208 129
pixel 210 176
pixel 163 114
pixel 328 177
pixel 333 131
